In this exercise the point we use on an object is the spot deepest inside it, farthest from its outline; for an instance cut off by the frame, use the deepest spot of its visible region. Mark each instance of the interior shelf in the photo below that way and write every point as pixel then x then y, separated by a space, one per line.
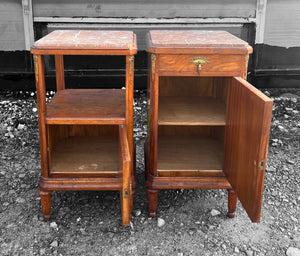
pixel 191 110
pixel 189 156
pixel 86 156
pixel 87 106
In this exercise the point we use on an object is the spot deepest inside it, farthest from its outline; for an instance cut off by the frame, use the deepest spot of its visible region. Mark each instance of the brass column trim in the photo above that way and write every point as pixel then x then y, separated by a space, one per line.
pixel 131 63
pixel 153 60
pixel 36 68
pixel 246 66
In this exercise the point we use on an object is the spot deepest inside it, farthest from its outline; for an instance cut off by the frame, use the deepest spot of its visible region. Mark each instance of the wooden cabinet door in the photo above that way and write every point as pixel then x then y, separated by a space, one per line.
pixel 248 118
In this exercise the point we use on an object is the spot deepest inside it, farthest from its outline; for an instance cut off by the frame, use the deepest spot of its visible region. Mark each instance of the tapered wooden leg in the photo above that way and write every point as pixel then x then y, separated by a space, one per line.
pixel 125 204
pixel 46 203
pixel 152 201
pixel 232 199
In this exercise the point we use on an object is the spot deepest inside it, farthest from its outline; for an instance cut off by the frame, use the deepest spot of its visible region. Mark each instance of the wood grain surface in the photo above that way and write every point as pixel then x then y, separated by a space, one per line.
pixel 41 101
pixel 248 121
pixel 218 65
pixel 189 156
pixel 60 76
pixel 191 111
pixel 125 162
pixel 86 155
pixel 87 106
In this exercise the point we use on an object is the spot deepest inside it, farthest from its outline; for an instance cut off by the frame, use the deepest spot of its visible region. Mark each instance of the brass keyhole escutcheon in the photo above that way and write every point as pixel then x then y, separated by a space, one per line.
pixel 199 61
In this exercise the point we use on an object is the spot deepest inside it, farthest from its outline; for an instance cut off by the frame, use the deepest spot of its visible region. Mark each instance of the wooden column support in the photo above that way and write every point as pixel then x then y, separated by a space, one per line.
pixel 60 78
pixel 41 100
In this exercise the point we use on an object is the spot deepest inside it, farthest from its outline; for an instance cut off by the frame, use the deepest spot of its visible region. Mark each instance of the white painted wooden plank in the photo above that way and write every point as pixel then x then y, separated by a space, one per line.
pixel 260 21
pixel 11 26
pixel 282 26
pixel 28 23
pixel 145 8
pixel 146 20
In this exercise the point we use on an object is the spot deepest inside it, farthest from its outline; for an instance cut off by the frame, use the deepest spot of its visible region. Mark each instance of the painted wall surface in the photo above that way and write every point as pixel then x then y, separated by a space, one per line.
pixel 282 23
pixel 11 26
pixel 145 8
pixel 279 55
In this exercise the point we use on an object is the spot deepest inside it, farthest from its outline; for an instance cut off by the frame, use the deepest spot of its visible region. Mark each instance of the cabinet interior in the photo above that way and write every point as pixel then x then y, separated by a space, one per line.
pixel 191 125
pixel 83 150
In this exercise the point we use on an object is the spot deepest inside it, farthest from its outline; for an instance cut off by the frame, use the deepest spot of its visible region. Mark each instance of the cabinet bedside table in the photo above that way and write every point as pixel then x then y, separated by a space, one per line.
pixel 86 135
pixel 207 127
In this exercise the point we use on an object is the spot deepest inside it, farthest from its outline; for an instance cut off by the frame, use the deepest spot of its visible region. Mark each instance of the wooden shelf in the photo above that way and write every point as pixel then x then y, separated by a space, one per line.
pixel 174 110
pixel 189 156
pixel 86 156
pixel 87 106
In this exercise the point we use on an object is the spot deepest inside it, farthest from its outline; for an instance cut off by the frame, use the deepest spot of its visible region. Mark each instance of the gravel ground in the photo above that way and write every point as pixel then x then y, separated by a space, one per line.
pixel 189 222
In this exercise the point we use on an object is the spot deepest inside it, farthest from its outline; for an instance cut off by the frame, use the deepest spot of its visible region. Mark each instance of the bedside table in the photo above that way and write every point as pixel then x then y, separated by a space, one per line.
pixel 207 127
pixel 86 135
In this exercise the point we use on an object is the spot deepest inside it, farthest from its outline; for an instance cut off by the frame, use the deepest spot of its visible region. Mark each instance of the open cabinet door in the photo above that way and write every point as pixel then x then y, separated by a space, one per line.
pixel 248 121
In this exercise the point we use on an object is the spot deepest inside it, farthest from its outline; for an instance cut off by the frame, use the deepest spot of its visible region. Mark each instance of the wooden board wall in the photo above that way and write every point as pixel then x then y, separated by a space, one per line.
pixel 11 26
pixel 282 21
pixel 144 8
pixel 282 25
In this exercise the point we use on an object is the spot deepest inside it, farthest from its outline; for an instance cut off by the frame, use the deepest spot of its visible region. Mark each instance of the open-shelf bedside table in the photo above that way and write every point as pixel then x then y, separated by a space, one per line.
pixel 207 127
pixel 86 135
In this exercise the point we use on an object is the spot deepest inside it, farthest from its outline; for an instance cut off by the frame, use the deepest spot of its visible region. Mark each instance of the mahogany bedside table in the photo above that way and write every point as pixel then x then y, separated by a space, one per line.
pixel 207 127
pixel 86 135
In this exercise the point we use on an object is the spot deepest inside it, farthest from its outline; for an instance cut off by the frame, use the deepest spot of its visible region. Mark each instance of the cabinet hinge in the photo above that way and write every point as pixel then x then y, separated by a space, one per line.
pixel 261 164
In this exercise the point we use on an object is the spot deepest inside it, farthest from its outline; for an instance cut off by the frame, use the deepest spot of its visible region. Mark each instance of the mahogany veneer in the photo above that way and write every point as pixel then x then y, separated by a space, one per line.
pixel 190 111
pixel 190 155
pixel 86 155
pixel 94 106
pixel 86 136
pixel 208 128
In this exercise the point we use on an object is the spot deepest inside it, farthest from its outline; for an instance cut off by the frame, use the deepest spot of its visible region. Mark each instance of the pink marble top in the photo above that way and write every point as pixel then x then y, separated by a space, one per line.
pixel 194 38
pixel 87 39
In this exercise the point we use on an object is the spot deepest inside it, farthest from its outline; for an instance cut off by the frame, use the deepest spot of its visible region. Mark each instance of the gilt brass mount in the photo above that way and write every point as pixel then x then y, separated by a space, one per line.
pixel 35 61
pixel 199 61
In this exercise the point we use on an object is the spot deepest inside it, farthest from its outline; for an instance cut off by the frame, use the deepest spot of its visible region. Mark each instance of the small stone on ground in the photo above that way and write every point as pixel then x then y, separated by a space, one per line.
pixel 292 251
pixel 214 212
pixel 160 222
pixel 54 244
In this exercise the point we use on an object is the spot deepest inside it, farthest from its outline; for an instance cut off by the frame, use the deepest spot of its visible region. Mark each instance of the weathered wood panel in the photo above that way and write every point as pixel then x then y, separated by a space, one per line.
pixel 144 8
pixel 11 25
pixel 282 25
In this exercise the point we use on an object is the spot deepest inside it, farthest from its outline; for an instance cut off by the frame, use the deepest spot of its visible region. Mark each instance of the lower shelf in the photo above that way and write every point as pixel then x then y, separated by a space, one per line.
pixel 192 110
pixel 189 156
pixel 86 156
